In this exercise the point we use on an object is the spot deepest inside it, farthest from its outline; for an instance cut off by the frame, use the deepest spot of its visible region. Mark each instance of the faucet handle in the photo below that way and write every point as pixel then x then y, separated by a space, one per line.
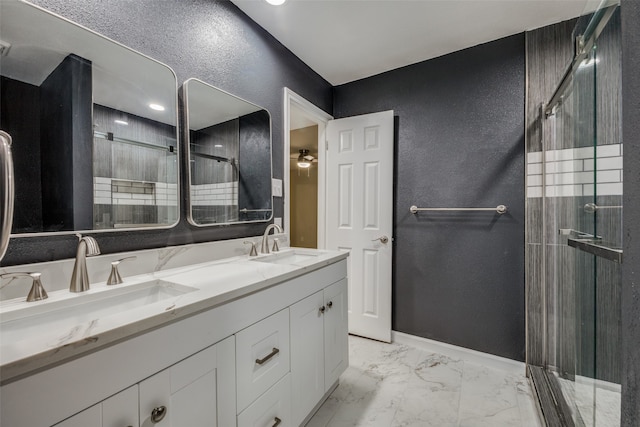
pixel 254 250
pixel 37 292
pixel 275 247
pixel 114 276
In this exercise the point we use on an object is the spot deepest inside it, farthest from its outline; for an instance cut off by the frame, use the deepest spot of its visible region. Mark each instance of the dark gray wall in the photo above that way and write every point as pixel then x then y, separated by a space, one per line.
pixel 205 39
pixel 630 11
pixel 66 157
pixel 20 102
pixel 254 171
pixel 458 277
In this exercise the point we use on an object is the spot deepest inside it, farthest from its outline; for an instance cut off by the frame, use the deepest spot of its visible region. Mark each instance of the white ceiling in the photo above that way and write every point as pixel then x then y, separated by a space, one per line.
pixel 347 40
pixel 208 105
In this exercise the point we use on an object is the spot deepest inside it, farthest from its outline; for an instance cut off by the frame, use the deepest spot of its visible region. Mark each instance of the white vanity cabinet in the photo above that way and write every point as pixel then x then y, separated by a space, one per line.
pixel 319 346
pixel 266 357
pixel 193 392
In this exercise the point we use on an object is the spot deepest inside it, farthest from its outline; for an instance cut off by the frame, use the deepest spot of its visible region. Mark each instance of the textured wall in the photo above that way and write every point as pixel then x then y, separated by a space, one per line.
pixel 458 277
pixel 19 103
pixel 65 125
pixel 549 51
pixel 630 11
pixel 209 40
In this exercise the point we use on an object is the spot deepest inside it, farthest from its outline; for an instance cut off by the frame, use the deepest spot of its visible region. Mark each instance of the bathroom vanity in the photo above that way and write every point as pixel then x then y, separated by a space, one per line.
pixel 235 342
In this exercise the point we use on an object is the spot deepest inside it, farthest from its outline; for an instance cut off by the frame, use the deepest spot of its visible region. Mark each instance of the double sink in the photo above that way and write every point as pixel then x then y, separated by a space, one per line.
pixel 64 311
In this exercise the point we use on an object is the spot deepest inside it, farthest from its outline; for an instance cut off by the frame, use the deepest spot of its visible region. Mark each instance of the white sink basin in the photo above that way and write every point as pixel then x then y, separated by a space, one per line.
pixel 29 320
pixel 294 256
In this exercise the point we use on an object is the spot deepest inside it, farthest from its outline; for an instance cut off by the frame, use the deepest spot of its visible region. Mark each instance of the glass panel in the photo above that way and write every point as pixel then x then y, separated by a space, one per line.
pixel 229 153
pixel 86 114
pixel 583 199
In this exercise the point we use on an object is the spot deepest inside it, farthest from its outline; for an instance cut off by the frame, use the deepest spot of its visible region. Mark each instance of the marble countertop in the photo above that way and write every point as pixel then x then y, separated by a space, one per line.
pixel 28 346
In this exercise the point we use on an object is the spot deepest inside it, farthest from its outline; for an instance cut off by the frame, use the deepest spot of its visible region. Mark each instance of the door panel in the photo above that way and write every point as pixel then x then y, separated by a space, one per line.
pixel 360 215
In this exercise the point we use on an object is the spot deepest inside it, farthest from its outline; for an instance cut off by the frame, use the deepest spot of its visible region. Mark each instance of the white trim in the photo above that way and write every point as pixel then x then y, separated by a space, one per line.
pixel 468 355
pixel 321 118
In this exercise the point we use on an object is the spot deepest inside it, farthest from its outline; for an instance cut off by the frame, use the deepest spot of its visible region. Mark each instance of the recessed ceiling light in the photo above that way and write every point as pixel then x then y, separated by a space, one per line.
pixel 275 2
pixel 156 107
pixel 218 145
pixel 121 122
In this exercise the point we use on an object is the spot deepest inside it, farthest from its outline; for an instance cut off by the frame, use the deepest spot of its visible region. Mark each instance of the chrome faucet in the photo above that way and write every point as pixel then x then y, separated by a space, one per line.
pixel 87 246
pixel 37 292
pixel 264 249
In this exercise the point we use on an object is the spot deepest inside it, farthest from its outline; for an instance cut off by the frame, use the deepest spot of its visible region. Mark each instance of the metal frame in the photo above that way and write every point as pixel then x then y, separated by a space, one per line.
pixel 584 44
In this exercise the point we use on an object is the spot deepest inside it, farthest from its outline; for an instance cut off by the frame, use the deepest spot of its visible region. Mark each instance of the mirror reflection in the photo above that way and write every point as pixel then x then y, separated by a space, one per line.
pixel 229 157
pixel 93 126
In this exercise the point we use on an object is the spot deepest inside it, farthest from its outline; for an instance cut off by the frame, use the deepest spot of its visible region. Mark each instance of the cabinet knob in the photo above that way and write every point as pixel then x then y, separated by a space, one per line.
pixel 158 414
pixel 322 309
pixel 276 422
pixel 330 304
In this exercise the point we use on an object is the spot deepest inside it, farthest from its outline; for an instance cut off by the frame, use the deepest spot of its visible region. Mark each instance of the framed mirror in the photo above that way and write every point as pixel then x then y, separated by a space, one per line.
pixel 94 127
pixel 229 156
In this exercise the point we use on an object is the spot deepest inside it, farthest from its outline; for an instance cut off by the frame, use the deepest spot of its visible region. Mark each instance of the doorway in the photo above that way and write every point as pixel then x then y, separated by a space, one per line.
pixel 304 171
pixel 353 189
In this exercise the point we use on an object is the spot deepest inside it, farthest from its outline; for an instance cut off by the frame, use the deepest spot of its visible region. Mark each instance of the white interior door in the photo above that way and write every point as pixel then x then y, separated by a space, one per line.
pixel 359 215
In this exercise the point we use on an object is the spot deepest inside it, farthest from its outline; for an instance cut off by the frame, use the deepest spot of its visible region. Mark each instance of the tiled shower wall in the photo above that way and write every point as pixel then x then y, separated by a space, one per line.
pixel 549 51
pixel 559 197
pixel 133 184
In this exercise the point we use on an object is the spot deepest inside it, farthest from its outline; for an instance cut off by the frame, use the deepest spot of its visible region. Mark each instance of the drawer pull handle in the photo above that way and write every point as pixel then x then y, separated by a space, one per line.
pixel 158 414
pixel 268 356
pixel 330 304
pixel 277 422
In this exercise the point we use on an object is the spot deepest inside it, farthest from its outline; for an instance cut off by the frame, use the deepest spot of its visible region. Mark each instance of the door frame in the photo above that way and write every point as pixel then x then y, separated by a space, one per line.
pixel 321 118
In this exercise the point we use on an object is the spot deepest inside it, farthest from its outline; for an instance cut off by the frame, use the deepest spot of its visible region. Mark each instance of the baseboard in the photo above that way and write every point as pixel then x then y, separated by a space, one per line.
pixel 462 353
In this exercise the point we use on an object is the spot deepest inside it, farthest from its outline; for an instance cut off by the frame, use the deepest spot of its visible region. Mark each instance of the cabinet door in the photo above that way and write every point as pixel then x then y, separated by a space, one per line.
pixel 121 410
pixel 307 355
pixel 336 338
pixel 193 392
pixel 91 417
pixel 273 408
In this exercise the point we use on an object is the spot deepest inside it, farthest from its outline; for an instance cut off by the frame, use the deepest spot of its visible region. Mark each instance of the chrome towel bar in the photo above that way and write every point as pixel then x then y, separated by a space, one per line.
pixel 501 209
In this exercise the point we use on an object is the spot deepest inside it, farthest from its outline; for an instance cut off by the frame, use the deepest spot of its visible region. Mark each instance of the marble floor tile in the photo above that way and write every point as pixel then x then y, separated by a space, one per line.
pixel 595 403
pixel 392 385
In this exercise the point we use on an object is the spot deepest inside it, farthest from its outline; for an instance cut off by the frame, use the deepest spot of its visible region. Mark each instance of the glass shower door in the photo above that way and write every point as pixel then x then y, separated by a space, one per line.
pixel 583 184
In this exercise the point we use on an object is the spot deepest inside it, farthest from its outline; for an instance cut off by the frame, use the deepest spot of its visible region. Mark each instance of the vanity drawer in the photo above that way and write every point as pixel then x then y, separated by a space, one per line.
pixel 262 356
pixel 271 409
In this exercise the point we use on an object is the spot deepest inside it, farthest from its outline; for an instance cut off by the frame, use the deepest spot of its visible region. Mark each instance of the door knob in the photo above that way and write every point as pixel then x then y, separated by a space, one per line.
pixel 383 239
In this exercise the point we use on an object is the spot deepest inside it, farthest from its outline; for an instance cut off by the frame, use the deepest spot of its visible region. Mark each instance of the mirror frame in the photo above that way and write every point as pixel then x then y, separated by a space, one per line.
pixel 187 142
pixel 177 134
